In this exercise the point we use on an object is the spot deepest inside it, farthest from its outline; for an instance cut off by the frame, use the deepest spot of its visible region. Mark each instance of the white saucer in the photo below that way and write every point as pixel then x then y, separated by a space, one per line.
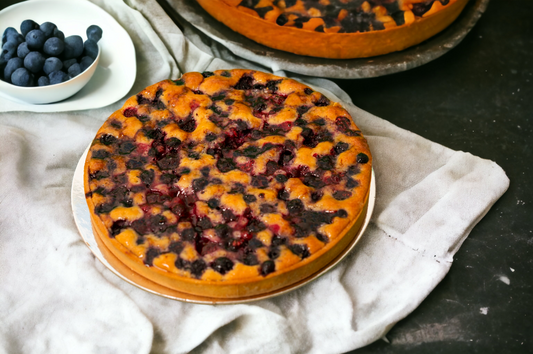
pixel 116 70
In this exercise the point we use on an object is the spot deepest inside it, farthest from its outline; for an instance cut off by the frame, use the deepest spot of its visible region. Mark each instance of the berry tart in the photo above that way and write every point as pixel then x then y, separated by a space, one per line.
pixel 337 29
pixel 227 184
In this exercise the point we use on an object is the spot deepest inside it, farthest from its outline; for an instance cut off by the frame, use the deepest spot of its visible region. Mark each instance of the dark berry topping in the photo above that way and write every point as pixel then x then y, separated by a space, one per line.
pixel 207 74
pixel 278 241
pixel 295 206
pixel 225 165
pixel 268 267
pixel 340 148
pixel 188 125
pixel 316 196
pixel 213 203
pixel 222 265
pixel 255 243
pixel 284 194
pixel 255 226
pixel 342 213
pixel 237 188
pixel 260 181
pixel 100 154
pixel 300 250
pixel 274 253
pixel 176 247
pixel 313 181
pixel 108 139
pixel 126 147
pixel 244 83
pixel 199 184
pixel 262 11
pixel 322 238
pixel 342 195
pixel 267 208
pixel 249 198
pixel 173 142
pixel 223 231
pixel 204 223
pixel 281 178
pixel 168 162
pixel 188 234
pixel 282 19
pixel 150 255
pixel 117 227
pixel 135 164
pixel 362 158
pixel 285 157
pixel 210 137
pixel 228 215
pixel 198 267
pixel 250 259
pixel 326 163
pixel 322 101
pixel 351 183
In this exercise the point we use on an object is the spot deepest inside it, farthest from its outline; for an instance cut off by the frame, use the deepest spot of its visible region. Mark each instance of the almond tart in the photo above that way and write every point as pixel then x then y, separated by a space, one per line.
pixel 336 29
pixel 227 184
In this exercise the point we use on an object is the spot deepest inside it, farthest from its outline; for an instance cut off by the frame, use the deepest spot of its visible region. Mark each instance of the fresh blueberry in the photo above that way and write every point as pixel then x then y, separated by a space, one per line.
pixel 9 50
pixel 52 64
pixel 90 48
pixel 73 47
pixel 7 32
pixel 57 77
pixel 28 25
pixel 85 63
pixel 48 28
pixel 35 39
pixel 23 50
pixel 53 46
pixel 74 70
pixel 94 33
pixel 68 63
pixel 43 81
pixel 34 62
pixel 59 34
pixel 3 60
pixel 12 65
pixel 22 77
pixel 15 37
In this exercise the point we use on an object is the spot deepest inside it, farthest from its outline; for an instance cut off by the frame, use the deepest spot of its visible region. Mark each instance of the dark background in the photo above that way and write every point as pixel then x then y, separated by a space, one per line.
pixel 476 98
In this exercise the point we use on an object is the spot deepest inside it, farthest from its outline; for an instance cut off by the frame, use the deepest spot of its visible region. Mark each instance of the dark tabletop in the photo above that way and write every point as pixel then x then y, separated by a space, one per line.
pixel 476 98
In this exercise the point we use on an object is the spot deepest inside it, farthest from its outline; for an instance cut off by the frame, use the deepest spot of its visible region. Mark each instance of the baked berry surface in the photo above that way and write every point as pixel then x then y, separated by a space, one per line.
pixel 227 175
pixel 340 16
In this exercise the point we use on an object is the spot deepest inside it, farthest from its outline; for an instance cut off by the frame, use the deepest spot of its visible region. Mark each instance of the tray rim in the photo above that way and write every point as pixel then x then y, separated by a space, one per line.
pixel 358 68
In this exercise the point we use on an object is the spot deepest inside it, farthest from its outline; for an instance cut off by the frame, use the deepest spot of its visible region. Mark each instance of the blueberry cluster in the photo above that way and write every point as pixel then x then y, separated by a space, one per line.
pixel 41 55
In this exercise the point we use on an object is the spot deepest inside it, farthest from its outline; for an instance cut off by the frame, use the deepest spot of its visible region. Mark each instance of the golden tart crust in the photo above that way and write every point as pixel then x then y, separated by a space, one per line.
pixel 227 184
pixel 336 29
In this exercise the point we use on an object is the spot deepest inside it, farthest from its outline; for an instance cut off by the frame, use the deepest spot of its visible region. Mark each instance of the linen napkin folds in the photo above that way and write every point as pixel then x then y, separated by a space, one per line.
pixel 55 297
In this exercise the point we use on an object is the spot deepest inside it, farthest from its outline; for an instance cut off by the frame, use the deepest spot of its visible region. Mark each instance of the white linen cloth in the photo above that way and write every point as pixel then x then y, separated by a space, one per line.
pixel 55 297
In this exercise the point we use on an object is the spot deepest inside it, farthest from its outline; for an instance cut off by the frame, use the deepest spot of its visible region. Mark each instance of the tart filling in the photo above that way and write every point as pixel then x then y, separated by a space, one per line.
pixel 228 183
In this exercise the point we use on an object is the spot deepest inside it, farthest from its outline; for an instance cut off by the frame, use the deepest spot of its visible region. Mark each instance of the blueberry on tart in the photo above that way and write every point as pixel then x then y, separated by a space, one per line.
pixel 227 184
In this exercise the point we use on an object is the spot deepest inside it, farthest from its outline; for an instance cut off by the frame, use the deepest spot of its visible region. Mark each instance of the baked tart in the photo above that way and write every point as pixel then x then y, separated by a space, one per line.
pixel 227 184
pixel 337 29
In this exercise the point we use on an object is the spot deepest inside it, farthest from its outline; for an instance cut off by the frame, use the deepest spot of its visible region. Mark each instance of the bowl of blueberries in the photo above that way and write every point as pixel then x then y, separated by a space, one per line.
pixel 40 65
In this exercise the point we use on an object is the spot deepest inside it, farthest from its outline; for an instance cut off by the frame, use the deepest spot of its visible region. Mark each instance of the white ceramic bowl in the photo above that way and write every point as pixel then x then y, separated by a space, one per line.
pixel 50 93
